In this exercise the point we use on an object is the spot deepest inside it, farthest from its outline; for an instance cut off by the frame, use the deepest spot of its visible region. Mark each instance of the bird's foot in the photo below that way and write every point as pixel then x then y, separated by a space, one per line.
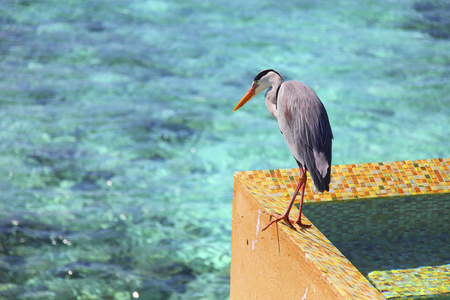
pixel 279 218
pixel 286 220
pixel 299 223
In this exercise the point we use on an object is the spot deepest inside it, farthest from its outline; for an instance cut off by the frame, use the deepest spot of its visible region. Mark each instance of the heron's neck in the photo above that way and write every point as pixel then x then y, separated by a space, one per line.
pixel 271 97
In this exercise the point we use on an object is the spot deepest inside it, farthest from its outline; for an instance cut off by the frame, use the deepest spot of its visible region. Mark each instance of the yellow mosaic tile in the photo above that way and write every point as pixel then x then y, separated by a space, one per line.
pixel 428 282
pixel 393 185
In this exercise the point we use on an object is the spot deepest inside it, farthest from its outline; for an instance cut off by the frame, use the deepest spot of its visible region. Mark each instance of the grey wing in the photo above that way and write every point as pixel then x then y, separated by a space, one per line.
pixel 304 122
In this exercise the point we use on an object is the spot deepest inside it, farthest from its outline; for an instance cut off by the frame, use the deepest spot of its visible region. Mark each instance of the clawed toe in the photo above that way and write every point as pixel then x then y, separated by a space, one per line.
pixel 286 220
pixel 303 225
pixel 278 218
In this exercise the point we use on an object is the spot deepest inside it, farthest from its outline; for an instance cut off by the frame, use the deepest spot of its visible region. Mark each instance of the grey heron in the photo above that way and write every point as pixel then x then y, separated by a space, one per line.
pixel 304 123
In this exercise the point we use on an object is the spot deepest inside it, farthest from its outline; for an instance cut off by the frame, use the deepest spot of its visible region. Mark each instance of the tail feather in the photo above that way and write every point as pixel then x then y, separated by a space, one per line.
pixel 318 165
pixel 321 184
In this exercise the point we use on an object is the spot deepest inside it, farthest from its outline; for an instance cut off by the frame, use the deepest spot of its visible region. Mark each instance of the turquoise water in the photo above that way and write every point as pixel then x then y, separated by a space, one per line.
pixel 118 145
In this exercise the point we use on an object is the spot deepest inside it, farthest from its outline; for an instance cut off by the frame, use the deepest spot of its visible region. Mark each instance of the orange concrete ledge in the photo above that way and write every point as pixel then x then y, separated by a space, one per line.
pixel 281 263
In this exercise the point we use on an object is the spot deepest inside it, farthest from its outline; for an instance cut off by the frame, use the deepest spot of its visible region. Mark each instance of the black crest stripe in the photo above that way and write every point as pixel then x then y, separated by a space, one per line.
pixel 264 72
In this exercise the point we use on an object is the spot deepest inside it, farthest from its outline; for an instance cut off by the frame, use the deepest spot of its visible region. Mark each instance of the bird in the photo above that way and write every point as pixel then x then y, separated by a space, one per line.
pixel 304 123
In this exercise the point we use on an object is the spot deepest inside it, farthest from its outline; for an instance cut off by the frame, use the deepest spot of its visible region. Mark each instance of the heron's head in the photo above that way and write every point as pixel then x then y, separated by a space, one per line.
pixel 265 79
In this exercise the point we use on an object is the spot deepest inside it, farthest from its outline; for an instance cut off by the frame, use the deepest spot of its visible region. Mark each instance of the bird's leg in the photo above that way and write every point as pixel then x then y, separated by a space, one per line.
pixel 285 216
pixel 299 219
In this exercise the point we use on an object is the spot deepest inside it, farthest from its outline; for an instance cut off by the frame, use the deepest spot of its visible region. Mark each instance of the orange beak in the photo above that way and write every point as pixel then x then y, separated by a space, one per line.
pixel 249 95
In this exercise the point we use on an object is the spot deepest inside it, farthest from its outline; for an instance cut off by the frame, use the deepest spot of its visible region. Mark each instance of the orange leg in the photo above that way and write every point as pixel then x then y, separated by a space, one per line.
pixel 285 216
pixel 300 207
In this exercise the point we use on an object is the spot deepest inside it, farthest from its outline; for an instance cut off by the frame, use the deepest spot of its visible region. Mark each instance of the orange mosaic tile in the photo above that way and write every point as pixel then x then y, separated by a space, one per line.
pixel 384 210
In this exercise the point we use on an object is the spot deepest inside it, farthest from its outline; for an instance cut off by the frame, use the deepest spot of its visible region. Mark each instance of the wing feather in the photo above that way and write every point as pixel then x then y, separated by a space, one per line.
pixel 304 122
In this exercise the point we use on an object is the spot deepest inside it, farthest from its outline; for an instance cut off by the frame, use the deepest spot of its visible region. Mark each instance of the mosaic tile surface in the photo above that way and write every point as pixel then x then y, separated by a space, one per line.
pixel 423 282
pixel 399 217
pixel 419 191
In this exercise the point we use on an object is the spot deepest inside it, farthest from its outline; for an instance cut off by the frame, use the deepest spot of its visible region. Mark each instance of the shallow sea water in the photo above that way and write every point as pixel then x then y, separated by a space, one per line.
pixel 118 145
